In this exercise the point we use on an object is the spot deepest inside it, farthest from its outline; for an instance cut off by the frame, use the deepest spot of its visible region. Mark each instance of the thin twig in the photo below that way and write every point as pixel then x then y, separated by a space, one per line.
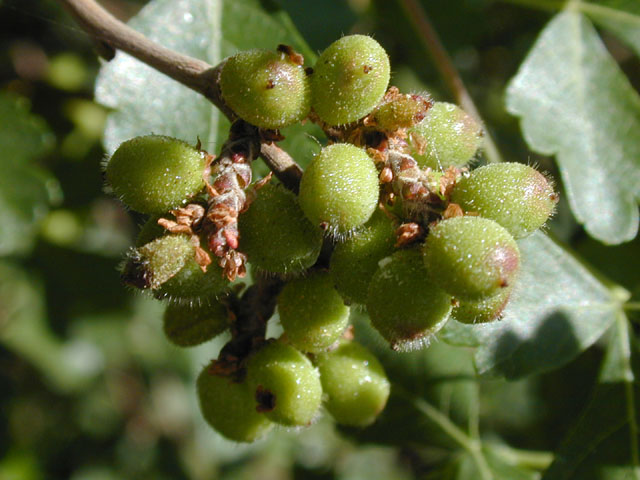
pixel 418 17
pixel 111 34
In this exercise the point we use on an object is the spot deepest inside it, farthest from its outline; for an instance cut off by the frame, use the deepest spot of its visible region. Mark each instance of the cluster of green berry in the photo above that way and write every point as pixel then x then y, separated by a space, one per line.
pixel 388 217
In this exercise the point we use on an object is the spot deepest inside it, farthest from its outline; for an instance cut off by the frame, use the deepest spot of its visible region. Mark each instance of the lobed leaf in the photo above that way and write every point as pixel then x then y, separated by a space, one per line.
pixel 574 102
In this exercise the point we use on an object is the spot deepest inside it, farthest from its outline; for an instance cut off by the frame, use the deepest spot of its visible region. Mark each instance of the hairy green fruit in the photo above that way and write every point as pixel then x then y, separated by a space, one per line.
pixel 193 286
pixel 448 136
pixel 265 88
pixel 339 189
pixel 354 261
pixel 169 267
pixel 349 79
pixel 404 304
pixel 516 196
pixel 190 325
pixel 285 384
pixel 401 111
pixel 275 234
pixel 484 310
pixel 312 312
pixel 156 262
pixel 355 384
pixel 229 408
pixel 154 174
pixel 471 257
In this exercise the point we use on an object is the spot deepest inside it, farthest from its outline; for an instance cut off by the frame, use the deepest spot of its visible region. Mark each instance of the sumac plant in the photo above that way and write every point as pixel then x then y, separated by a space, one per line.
pixel 373 225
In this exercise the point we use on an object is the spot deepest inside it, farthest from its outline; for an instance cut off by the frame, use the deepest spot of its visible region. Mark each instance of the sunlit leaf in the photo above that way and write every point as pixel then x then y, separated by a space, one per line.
pixel 574 102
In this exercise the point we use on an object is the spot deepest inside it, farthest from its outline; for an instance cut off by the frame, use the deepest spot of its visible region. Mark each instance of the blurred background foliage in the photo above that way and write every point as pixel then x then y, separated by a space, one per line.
pixel 91 390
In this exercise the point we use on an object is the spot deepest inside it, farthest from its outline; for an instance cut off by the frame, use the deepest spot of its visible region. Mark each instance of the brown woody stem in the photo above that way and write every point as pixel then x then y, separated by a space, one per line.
pixel 111 34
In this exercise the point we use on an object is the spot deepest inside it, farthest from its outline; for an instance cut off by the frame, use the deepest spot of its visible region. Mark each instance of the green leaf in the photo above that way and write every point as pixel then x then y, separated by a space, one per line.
pixel 557 310
pixel 25 190
pixel 145 101
pixel 604 443
pixel 575 103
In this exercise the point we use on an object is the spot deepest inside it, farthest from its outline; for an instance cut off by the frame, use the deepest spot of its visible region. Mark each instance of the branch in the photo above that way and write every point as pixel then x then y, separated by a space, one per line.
pixel 110 34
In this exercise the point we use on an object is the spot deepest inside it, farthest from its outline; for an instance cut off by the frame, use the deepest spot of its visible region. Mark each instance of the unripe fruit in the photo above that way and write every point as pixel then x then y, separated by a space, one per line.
pixel 285 384
pixel 193 286
pixel 516 196
pixel 190 325
pixel 339 189
pixel 312 312
pixel 349 79
pixel 448 136
pixel 355 384
pixel 156 262
pixel 354 261
pixel 154 174
pixel 275 234
pixel 471 257
pixel 484 310
pixel 401 111
pixel 265 88
pixel 186 284
pixel 229 408
pixel 405 306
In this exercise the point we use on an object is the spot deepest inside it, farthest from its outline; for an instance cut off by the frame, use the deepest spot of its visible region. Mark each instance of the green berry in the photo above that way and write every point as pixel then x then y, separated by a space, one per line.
pixel 156 262
pixel 354 261
pixel 405 306
pixel 484 310
pixel 516 196
pixel 265 88
pixel 154 174
pixel 275 234
pixel 448 136
pixel 190 325
pixel 349 79
pixel 285 384
pixel 471 257
pixel 177 277
pixel 193 286
pixel 312 312
pixel 339 189
pixel 355 384
pixel 229 408
pixel 401 111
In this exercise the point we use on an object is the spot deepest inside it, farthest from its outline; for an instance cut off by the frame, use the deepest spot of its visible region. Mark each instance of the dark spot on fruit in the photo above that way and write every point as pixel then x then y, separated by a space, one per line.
pixel 136 274
pixel 270 84
pixel 366 69
pixel 266 400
